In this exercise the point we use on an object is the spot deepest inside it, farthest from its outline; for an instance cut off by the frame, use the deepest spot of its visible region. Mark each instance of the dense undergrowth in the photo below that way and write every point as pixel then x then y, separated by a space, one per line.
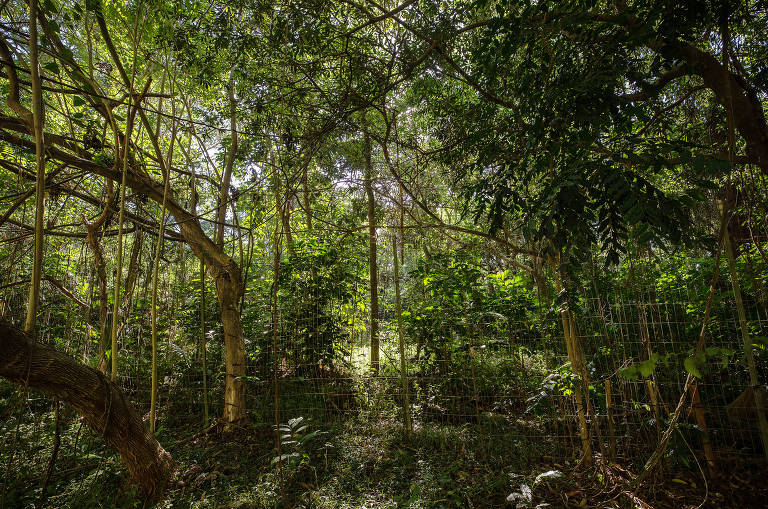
pixel 361 460
pixel 489 390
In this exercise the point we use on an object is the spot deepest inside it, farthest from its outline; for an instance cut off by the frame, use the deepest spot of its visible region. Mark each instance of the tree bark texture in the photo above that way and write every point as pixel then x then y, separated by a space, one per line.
pixel 228 290
pixel 101 403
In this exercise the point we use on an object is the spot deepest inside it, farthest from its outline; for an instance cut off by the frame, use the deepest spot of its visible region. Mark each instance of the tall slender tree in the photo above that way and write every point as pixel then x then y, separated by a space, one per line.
pixel 372 249
pixel 38 122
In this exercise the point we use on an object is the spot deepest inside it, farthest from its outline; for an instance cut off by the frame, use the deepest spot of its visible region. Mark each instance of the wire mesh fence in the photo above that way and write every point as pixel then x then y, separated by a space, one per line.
pixel 502 372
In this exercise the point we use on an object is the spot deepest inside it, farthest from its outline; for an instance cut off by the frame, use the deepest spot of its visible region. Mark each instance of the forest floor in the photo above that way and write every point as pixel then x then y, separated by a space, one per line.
pixel 375 464
pixel 360 463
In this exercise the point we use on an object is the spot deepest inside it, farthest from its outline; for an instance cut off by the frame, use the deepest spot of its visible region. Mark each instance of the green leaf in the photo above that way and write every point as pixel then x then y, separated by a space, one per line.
pixel 67 54
pixel 630 372
pixel 647 367
pixel 694 363
pixel 52 67
pixel 54 27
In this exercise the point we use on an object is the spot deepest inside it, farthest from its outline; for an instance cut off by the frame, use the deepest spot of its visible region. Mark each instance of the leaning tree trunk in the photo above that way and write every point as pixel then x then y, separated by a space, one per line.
pixel 102 404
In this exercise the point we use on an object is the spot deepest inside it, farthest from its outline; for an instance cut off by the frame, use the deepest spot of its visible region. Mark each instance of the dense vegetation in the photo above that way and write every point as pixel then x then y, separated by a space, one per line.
pixel 302 253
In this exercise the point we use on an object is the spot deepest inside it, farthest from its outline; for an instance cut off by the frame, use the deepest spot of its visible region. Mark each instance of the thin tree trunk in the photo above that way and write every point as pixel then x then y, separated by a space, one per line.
pixel 221 213
pixel 282 205
pixel 119 259
pixel 374 277
pixel 153 389
pixel 754 381
pixel 155 266
pixel 203 346
pixel 133 272
pixel 286 216
pixel 701 421
pixel 275 357
pixel 241 251
pixel 575 356
pixel 609 414
pixel 305 189
pixel 203 343
pixel 101 273
pixel 38 122
pixel 400 340
pixel 132 109
pixel 102 404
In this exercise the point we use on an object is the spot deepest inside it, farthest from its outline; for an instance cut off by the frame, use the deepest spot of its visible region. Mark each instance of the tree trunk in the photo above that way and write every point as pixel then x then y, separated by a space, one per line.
pixel 119 260
pixel 102 404
pixel 744 326
pixel 576 357
pixel 401 340
pixel 155 266
pixel 133 267
pixel 282 207
pixel 374 276
pixel 581 387
pixel 38 119
pixel 228 290
pixel 286 218
pixel 203 346
pixel 101 273
pixel 226 179
pixel 307 202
